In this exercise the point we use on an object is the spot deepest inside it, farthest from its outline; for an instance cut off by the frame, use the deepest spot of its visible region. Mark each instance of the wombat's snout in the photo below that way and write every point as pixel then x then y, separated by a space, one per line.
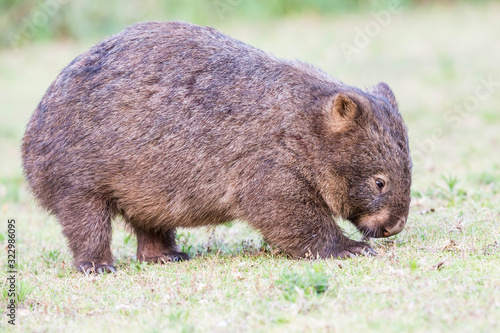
pixel 380 224
pixel 397 228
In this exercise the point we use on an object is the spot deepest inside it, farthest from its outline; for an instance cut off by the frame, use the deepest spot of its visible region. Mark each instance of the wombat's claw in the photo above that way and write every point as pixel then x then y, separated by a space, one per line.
pixel 105 269
pixel 90 267
pixel 368 251
pixel 360 249
pixel 174 257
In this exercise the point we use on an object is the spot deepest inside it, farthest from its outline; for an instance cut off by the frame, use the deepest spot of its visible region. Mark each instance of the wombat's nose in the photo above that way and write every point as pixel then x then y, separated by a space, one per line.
pixel 396 228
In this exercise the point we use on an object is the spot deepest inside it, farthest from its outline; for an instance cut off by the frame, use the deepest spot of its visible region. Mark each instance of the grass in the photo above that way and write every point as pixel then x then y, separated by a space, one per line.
pixel 440 274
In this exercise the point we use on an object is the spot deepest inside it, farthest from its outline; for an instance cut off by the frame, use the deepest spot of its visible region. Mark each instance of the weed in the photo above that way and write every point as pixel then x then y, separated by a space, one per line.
pixel 23 290
pixel 51 256
pixel 313 281
pixel 451 192
pixel 139 266
pixel 127 239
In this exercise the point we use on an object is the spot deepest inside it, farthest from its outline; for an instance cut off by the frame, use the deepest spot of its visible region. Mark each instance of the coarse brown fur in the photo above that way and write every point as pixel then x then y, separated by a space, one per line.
pixel 175 125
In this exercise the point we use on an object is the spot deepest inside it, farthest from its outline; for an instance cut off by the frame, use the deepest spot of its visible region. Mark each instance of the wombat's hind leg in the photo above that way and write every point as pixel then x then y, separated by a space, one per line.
pixel 159 247
pixel 87 226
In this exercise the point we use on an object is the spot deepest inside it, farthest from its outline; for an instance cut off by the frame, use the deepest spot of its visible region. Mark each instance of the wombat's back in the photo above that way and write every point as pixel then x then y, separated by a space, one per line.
pixel 166 121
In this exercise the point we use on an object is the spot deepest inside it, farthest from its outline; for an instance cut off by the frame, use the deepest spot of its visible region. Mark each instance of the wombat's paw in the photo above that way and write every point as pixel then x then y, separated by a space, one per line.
pixel 356 249
pixel 174 256
pixel 91 267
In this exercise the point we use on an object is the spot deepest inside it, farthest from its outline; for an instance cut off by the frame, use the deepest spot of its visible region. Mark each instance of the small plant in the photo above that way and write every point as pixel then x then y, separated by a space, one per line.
pixel 416 193
pixel 488 178
pixel 51 256
pixel 183 240
pixel 127 239
pixel 413 264
pixel 451 181
pixel 23 289
pixel 313 281
pixel 451 192
pixel 139 266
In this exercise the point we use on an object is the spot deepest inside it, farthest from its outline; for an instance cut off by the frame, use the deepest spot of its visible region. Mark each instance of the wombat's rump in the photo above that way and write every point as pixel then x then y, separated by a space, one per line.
pixel 175 125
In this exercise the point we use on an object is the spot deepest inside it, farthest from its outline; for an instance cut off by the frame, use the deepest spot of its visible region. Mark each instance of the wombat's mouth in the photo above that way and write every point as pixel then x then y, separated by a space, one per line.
pixel 379 225
pixel 367 232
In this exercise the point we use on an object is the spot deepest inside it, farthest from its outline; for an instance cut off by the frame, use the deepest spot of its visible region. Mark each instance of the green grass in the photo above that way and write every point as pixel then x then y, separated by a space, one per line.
pixel 440 274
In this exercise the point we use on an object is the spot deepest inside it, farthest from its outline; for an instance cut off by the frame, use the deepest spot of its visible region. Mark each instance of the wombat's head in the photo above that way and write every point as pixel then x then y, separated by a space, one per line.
pixel 372 160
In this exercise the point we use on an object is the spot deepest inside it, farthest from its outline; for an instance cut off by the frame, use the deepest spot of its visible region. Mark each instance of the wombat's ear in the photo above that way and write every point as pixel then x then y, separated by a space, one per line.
pixel 343 112
pixel 383 89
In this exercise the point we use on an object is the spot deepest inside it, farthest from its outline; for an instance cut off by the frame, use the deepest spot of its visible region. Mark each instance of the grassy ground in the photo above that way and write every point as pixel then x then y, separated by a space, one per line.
pixel 440 274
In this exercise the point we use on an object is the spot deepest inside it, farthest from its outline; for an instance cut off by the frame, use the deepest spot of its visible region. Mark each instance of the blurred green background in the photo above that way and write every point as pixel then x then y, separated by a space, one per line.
pixel 27 20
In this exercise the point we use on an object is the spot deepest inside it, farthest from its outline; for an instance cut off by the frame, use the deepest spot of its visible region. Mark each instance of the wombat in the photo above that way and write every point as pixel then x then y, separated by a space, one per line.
pixel 175 125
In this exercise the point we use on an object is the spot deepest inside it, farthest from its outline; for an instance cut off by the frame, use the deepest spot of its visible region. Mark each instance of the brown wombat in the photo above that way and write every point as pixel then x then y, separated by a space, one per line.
pixel 175 125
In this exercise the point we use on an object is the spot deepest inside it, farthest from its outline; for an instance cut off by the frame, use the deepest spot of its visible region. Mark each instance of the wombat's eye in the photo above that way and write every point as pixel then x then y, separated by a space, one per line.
pixel 380 183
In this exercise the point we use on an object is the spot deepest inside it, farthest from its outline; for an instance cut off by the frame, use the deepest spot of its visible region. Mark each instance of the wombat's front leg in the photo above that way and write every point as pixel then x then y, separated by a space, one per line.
pixel 314 236
pixel 158 247
pixel 290 214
